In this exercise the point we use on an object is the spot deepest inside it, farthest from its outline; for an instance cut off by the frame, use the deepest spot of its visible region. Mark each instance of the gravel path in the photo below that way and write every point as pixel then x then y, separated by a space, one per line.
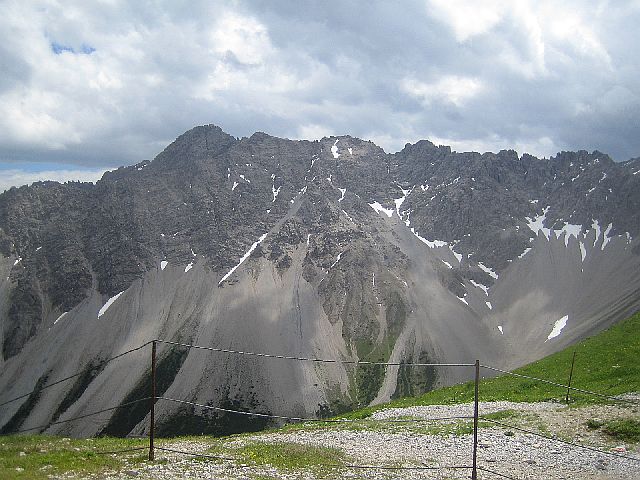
pixel 505 450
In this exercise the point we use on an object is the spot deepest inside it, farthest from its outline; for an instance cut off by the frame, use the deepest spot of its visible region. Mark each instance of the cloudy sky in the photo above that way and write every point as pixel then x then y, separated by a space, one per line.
pixel 88 86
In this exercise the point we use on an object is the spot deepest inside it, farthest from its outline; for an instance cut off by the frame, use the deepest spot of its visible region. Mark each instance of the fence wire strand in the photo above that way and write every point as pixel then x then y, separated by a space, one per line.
pixel 44 427
pixel 317 360
pixel 311 419
pixel 77 374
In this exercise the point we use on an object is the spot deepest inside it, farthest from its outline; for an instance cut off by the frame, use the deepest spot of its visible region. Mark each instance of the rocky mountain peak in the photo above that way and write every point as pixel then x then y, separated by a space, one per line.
pixel 330 247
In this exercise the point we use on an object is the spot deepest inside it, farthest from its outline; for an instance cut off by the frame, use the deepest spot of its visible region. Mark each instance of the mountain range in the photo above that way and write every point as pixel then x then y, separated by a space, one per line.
pixel 327 249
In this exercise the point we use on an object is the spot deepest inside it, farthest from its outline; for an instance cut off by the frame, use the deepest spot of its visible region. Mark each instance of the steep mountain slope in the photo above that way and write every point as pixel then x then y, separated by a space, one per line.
pixel 327 249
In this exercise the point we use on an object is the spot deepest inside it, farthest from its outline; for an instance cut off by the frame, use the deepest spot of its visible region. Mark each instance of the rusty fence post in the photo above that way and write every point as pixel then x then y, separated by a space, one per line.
pixel 474 471
pixel 573 361
pixel 153 401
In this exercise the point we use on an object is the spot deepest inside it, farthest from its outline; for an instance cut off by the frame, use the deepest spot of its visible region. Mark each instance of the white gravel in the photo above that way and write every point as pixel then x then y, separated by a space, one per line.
pixel 515 454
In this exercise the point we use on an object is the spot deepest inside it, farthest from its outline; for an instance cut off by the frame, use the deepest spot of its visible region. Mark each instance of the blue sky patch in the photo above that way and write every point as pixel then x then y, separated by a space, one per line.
pixel 59 48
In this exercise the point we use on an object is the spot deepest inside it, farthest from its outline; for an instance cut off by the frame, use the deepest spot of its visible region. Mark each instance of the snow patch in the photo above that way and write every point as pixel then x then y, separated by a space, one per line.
pixel 489 305
pixel 337 260
pixel 242 177
pixel 486 269
pixel 446 263
pixel 373 280
pixel 500 328
pixel 334 149
pixel 569 230
pixel 456 254
pixel 163 264
pixel 308 238
pixel 275 192
pixel 463 300
pixel 434 244
pixel 106 306
pixel 342 191
pixel 235 184
pixel 606 238
pixel 348 216
pixel 596 226
pixel 38 249
pixel 244 257
pixel 526 250
pixel 481 286
pixel 19 259
pixel 380 209
pixel 583 251
pixel 350 151
pixel 400 201
pixel 188 267
pixel 60 317
pixel 557 327
pixel 537 224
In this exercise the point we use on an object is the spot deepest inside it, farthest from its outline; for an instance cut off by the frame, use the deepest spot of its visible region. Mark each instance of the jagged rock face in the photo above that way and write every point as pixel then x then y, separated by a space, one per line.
pixel 329 248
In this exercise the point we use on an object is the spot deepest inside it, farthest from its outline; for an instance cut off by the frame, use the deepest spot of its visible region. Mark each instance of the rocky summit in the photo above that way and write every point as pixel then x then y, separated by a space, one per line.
pixel 328 249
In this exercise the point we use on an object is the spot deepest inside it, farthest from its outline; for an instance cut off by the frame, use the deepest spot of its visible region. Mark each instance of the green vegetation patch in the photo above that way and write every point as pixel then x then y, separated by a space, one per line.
pixel 37 457
pixel 625 429
pixel 287 456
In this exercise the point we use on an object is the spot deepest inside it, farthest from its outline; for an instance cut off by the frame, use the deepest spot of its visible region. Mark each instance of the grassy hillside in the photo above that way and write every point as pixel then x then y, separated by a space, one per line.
pixel 606 363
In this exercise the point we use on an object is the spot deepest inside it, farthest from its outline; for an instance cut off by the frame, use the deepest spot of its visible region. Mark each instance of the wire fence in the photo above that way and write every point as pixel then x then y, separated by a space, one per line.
pixel 153 398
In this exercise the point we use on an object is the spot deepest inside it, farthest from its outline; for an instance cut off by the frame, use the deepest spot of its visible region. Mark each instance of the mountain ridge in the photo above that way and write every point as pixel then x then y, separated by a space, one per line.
pixel 328 247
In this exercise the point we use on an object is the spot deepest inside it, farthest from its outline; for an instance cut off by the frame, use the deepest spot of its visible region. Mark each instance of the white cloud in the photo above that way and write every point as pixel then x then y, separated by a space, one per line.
pixel 242 36
pixel 517 71
pixel 469 18
pixel 451 88
pixel 17 177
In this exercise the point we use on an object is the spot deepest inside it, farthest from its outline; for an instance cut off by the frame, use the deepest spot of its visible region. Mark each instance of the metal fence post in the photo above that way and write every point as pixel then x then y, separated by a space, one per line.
pixel 474 472
pixel 153 401
pixel 573 361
